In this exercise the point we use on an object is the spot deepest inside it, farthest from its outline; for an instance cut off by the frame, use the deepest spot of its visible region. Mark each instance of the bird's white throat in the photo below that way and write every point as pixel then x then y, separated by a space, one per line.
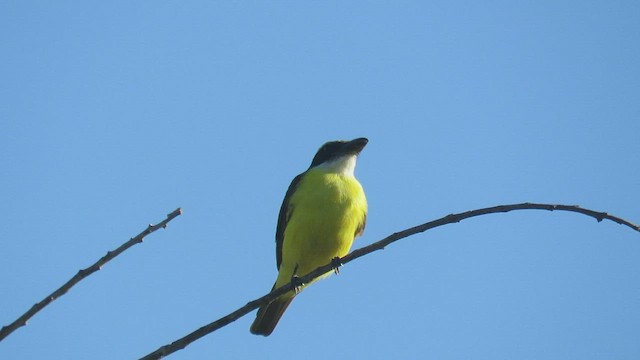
pixel 344 165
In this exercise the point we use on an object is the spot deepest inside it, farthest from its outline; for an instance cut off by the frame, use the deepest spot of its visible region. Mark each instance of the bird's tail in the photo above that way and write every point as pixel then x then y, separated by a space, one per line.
pixel 269 315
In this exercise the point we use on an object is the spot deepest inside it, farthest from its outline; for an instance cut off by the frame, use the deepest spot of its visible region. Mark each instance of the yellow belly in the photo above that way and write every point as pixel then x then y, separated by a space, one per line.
pixel 327 210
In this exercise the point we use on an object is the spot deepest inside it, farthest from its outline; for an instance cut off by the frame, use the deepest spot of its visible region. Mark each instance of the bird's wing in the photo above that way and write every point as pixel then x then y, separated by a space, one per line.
pixel 283 218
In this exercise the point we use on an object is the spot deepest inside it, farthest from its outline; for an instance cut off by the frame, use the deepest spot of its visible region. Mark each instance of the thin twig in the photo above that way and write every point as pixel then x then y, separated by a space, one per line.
pixel 379 245
pixel 22 320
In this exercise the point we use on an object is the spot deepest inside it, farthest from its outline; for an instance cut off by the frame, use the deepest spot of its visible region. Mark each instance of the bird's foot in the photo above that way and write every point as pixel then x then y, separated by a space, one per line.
pixel 295 280
pixel 336 262
pixel 296 284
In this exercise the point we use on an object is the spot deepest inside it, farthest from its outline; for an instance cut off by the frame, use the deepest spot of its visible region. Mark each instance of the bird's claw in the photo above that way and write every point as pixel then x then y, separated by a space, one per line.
pixel 336 262
pixel 296 284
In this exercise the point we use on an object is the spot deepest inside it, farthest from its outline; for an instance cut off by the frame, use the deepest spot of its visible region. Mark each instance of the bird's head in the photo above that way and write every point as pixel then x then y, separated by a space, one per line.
pixel 339 156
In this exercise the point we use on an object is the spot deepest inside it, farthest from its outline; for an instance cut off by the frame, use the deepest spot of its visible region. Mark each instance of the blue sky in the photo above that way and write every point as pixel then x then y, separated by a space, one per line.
pixel 115 113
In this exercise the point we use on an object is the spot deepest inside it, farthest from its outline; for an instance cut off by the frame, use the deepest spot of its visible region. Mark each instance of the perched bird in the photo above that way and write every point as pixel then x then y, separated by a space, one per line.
pixel 324 210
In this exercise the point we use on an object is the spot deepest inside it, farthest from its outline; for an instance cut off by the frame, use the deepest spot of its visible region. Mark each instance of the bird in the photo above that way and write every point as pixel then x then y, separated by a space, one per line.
pixel 323 211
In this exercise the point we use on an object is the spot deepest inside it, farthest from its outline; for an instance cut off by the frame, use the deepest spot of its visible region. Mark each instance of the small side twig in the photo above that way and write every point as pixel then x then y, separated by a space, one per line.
pixel 379 245
pixel 80 275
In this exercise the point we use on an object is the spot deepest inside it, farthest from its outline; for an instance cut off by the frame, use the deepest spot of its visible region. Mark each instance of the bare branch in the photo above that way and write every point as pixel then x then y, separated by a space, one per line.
pixel 379 245
pixel 22 320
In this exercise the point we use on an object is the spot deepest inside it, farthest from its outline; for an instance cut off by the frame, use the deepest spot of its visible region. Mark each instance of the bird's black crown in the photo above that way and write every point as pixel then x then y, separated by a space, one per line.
pixel 335 149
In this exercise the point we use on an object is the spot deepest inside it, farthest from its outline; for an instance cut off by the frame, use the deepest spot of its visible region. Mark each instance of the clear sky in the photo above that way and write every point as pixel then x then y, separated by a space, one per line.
pixel 115 113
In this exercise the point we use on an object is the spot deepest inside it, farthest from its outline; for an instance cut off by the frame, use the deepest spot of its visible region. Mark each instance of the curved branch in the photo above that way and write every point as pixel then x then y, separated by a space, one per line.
pixel 80 275
pixel 379 245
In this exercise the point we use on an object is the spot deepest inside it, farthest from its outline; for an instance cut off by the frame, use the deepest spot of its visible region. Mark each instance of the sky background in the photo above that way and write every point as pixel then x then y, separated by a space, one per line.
pixel 115 113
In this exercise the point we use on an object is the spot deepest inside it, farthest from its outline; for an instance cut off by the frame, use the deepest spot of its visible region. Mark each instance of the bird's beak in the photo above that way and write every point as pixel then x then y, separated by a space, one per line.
pixel 355 146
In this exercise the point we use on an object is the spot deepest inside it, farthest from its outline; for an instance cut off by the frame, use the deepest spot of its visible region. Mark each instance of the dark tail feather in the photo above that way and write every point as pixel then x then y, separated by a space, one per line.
pixel 269 315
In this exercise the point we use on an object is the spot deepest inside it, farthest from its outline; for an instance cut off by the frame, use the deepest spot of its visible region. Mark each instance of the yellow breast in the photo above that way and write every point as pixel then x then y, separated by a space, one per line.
pixel 326 211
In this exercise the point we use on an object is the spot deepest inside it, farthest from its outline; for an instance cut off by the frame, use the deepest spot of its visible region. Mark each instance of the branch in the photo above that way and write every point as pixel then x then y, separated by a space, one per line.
pixel 22 320
pixel 379 245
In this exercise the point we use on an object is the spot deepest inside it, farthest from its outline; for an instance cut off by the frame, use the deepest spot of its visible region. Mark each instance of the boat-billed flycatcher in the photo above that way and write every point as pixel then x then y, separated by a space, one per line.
pixel 324 210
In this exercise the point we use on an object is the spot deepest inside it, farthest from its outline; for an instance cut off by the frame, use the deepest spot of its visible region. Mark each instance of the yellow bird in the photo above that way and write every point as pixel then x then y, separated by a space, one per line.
pixel 324 210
